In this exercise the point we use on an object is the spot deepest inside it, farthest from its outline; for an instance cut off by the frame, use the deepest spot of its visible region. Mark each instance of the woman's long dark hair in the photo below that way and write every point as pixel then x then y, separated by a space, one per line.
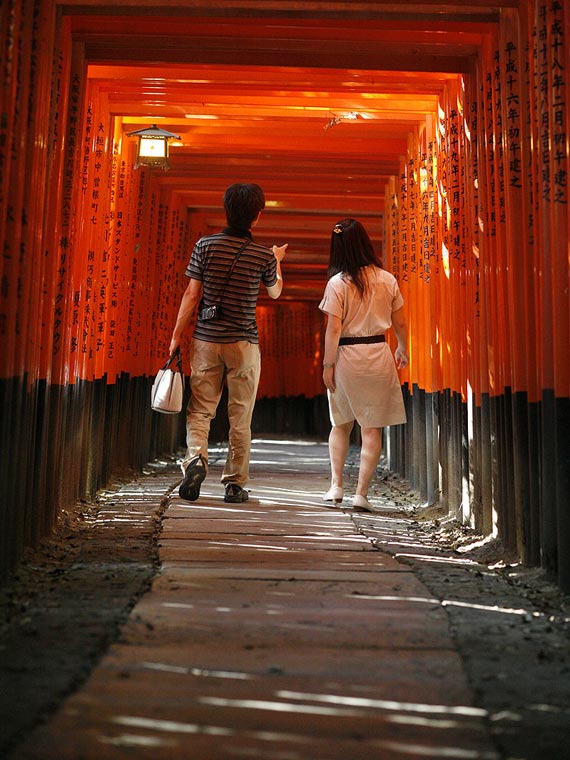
pixel 351 250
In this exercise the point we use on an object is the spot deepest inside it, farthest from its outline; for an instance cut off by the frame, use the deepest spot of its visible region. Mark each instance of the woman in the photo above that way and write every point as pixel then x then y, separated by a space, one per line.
pixel 361 301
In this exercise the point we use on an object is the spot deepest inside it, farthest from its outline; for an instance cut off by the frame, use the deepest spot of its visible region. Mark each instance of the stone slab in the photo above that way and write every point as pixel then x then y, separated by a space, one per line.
pixel 389 674
pixel 184 572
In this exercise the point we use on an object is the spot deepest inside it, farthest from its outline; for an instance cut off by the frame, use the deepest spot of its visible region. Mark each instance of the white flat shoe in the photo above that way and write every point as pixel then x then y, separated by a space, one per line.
pixel 361 504
pixel 335 493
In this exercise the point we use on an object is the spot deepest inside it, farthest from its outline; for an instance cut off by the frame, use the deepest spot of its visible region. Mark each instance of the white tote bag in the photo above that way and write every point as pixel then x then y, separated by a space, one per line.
pixel 168 387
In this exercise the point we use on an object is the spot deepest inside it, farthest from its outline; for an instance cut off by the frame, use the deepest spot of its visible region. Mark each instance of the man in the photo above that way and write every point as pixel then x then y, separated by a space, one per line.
pixel 225 272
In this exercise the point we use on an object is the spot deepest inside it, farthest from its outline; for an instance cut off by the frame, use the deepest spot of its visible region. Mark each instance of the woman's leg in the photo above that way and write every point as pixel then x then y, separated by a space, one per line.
pixel 369 457
pixel 339 441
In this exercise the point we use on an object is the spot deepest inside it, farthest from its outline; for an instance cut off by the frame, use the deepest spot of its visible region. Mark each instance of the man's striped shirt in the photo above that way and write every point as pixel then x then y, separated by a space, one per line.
pixel 210 263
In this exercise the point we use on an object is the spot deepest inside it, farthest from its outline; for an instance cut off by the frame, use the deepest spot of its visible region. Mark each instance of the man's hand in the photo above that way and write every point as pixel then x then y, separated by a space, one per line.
pixel 188 304
pixel 280 251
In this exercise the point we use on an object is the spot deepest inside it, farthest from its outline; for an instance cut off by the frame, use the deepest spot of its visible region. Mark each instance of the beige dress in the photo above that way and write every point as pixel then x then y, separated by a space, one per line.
pixel 367 385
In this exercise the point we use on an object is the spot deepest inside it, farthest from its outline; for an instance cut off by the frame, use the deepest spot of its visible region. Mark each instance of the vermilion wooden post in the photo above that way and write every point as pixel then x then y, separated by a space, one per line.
pixel 475 422
pixel 443 220
pixel 56 260
pixel 480 323
pixel 429 273
pixel 488 222
pixel 90 223
pixel 31 260
pixel 101 201
pixel 520 297
pixel 550 49
pixel 559 45
pixel 15 269
pixel 66 317
pixel 7 83
pixel 116 228
pixel 409 216
pixel 127 199
pixel 11 523
pixel 527 289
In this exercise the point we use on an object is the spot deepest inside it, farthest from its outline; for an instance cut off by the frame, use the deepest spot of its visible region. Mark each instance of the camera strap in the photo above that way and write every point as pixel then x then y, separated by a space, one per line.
pixel 231 269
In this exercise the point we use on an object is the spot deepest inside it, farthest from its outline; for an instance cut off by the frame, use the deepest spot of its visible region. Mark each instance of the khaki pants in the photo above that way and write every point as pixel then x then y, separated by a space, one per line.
pixel 238 365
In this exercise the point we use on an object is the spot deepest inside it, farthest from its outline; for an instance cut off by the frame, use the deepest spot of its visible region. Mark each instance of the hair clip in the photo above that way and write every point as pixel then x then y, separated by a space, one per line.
pixel 338 229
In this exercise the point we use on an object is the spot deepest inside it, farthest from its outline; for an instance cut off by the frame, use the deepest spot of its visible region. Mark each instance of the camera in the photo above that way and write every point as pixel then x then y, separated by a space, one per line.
pixel 210 312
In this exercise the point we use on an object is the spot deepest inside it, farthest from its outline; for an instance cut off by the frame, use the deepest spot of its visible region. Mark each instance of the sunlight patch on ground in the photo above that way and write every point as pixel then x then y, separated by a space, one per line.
pixel 258 547
pixel 385 704
pixel 441 560
pixel 282 707
pixel 201 672
pixel 170 726
pixel 285 442
pixel 444 603
pixel 135 740
pixel 417 751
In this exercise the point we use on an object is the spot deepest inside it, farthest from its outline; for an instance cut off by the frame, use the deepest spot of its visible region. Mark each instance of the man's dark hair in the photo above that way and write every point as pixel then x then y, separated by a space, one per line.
pixel 351 251
pixel 242 203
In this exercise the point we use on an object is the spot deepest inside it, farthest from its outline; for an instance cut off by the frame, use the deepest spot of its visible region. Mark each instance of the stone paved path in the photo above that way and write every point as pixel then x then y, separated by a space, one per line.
pixel 275 629
pixel 278 629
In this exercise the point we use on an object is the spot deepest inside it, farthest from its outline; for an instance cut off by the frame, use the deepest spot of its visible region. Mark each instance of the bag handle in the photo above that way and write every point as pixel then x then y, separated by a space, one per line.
pixel 176 356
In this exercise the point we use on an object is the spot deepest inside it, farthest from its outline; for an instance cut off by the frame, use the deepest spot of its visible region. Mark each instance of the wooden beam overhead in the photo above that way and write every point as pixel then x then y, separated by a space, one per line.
pixel 419 11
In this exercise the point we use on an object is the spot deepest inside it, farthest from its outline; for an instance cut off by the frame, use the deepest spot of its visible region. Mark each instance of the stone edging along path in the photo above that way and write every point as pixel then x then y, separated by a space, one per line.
pixel 69 598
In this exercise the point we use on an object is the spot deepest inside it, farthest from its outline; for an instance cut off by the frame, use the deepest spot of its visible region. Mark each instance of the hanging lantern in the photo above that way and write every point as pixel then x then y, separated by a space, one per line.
pixel 152 148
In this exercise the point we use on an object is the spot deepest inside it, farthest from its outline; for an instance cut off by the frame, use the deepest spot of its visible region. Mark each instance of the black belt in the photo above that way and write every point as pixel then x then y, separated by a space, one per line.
pixel 366 339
